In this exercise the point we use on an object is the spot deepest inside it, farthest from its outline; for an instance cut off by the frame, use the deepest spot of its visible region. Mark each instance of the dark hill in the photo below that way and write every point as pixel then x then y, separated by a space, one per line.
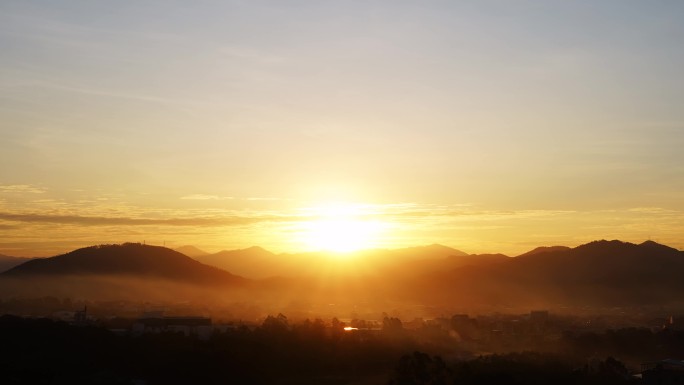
pixel 544 249
pixel 657 247
pixel 412 268
pixel 7 262
pixel 474 259
pixel 616 263
pixel 129 259
pixel 598 273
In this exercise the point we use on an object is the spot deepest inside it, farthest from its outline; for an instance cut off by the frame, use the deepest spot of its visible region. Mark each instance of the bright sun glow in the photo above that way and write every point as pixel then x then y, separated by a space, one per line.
pixel 340 228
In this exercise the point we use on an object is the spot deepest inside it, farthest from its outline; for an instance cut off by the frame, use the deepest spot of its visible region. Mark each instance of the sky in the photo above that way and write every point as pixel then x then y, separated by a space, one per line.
pixel 488 126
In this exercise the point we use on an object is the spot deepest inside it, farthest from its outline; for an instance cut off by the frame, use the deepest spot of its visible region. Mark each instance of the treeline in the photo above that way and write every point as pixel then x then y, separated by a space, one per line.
pixel 42 351
pixel 578 358
pixel 527 368
pixel 637 344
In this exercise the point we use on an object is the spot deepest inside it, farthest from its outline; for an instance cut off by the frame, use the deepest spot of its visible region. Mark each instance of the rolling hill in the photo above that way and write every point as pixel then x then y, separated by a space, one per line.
pixel 253 262
pixel 129 259
pixel 7 262
pixel 601 273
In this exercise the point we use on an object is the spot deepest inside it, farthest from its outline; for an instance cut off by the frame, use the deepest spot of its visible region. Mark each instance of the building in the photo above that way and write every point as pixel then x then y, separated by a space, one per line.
pixel 198 326
pixel 665 372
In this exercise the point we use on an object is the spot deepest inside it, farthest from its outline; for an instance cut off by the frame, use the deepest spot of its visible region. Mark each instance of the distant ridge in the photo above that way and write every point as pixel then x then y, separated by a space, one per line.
pixel 129 259
pixel 252 262
pixel 430 251
pixel 545 249
pixel 256 262
pixel 600 272
pixel 655 246
pixel 626 249
pixel 191 251
pixel 7 262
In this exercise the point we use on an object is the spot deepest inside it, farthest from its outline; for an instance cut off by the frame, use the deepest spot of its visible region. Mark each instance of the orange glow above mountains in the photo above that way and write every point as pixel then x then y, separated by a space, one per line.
pixel 489 126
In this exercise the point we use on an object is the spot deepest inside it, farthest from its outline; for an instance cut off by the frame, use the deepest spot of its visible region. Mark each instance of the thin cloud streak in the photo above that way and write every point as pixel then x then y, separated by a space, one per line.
pixel 204 197
pixel 21 189
pixel 111 221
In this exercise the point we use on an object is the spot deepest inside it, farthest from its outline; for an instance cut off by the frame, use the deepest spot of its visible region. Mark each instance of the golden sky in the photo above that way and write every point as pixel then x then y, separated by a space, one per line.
pixel 488 126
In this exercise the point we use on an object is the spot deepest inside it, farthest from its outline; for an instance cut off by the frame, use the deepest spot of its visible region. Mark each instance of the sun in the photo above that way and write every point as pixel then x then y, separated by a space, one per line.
pixel 340 228
pixel 340 235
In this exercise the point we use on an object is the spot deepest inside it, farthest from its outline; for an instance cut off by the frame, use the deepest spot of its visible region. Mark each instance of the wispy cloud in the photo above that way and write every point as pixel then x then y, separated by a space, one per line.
pixel 460 211
pixel 119 221
pixel 263 199
pixel 651 210
pixel 21 189
pixel 204 197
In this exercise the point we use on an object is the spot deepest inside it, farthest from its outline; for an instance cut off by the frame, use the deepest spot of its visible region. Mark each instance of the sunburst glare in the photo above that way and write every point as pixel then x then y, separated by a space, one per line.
pixel 340 228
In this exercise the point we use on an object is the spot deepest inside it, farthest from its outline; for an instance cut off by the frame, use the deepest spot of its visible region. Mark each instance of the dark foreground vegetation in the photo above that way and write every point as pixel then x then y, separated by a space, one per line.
pixel 43 351
pixel 512 368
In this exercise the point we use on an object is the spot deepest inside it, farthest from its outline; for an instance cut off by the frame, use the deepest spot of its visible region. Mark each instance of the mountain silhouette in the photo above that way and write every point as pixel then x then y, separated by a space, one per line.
pixel 191 251
pixel 434 250
pixel 129 259
pixel 597 273
pixel 252 262
pixel 544 249
pixel 441 264
pixel 7 262
pixel 600 273
pixel 257 263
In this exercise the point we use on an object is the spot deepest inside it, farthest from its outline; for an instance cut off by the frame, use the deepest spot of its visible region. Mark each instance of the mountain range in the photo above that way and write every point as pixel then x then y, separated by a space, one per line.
pixel 258 263
pixel 191 251
pixel 600 273
pixel 593 274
